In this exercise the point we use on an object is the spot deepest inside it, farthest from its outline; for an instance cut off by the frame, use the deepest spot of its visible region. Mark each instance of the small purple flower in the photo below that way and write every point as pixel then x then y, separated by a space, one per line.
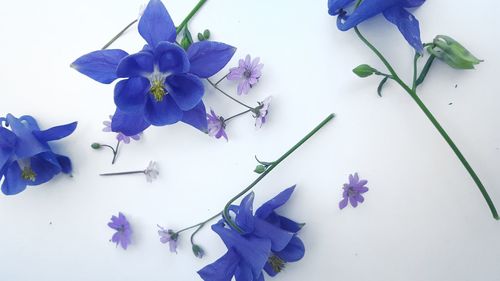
pixel 352 191
pixel 170 237
pixel 261 118
pixel 119 136
pixel 248 71
pixel 123 230
pixel 216 126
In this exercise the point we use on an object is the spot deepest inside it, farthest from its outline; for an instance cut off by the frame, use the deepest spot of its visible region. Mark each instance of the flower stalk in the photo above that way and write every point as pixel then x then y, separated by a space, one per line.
pixel 228 95
pixel 412 91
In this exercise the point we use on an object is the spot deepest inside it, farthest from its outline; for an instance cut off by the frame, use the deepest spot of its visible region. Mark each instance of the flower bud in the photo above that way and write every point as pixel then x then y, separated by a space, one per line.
pixel 198 251
pixel 260 169
pixel 185 43
pixel 364 70
pixel 201 37
pixel 95 145
pixel 206 34
pixel 452 53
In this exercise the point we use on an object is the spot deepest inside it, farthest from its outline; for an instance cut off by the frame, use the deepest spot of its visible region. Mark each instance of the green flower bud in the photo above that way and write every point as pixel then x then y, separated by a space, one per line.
pixel 185 43
pixel 201 37
pixel 260 169
pixel 452 53
pixel 364 70
pixel 95 145
pixel 198 251
pixel 206 34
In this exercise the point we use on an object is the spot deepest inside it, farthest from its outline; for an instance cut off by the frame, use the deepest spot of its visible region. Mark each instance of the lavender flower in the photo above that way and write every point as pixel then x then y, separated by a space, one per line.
pixel 151 171
pixel 216 126
pixel 248 71
pixel 119 136
pixel 261 118
pixel 123 230
pixel 170 237
pixel 352 191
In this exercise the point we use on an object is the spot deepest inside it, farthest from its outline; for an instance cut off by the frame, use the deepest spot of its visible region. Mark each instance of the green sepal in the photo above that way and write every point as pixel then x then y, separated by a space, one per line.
pixel 381 85
pixel 364 70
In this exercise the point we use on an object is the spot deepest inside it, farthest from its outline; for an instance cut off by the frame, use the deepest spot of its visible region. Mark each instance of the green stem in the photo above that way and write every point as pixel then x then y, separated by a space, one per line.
pixel 115 152
pixel 425 70
pixel 414 96
pixel 228 95
pixel 190 15
pixel 239 114
pixel 225 212
pixel 200 225
pixel 118 35
pixel 415 65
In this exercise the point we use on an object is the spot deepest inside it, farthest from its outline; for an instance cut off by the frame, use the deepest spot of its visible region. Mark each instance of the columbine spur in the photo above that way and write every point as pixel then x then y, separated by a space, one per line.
pixel 161 84
pixel 248 72
pixel 393 10
pixel 26 158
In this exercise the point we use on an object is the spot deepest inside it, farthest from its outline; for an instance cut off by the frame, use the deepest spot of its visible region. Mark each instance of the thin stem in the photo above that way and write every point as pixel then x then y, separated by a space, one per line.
pixel 227 95
pixel 415 65
pixel 425 70
pixel 239 114
pixel 201 224
pixel 123 173
pixel 115 152
pixel 118 35
pixel 190 15
pixel 222 79
pixel 436 124
pixel 274 164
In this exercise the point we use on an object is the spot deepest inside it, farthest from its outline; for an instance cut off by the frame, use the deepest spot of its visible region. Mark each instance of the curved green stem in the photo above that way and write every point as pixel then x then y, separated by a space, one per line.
pixel 118 35
pixel 228 95
pixel 236 115
pixel 225 212
pixel 190 15
pixel 421 105
pixel 200 225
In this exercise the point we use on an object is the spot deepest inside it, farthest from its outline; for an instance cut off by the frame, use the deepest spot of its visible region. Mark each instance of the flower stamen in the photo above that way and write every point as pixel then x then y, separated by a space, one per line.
pixel 276 263
pixel 28 174
pixel 158 90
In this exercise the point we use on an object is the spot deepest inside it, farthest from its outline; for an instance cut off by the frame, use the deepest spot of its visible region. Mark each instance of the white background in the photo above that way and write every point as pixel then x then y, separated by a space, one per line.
pixel 423 218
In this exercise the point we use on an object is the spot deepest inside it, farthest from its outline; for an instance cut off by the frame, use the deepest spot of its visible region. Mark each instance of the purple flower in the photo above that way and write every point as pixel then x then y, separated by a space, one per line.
pixel 216 126
pixel 170 237
pixel 123 230
pixel 352 191
pixel 248 71
pixel 261 118
pixel 119 136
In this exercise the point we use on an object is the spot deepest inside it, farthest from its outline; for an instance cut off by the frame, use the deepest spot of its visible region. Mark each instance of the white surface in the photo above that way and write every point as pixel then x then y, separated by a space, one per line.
pixel 423 218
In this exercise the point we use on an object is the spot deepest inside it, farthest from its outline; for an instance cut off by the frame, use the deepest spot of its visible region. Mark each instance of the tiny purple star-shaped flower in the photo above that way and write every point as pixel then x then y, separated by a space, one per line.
pixel 119 136
pixel 353 191
pixel 123 232
pixel 248 73
pixel 261 118
pixel 170 237
pixel 216 126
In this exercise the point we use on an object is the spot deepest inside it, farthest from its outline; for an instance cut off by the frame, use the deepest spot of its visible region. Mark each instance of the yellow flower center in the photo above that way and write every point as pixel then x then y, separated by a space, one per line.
pixel 158 90
pixel 28 174
pixel 276 263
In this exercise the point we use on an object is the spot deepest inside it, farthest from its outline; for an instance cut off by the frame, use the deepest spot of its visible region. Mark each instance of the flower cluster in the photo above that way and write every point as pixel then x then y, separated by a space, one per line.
pixel 26 158
pixel 265 241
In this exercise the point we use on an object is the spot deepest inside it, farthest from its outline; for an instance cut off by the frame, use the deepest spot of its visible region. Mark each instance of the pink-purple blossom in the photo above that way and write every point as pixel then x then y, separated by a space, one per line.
pixel 247 73
pixel 170 237
pixel 216 126
pixel 263 110
pixel 353 191
pixel 123 232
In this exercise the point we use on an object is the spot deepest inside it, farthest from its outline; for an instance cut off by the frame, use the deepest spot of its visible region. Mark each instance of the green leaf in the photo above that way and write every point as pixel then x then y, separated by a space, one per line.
pixel 381 85
pixel 364 70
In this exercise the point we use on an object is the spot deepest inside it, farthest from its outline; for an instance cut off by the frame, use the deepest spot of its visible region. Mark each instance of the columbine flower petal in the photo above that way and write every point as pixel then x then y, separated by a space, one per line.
pixel 244 214
pixel 55 133
pixel 171 58
pixel 13 183
pixel 27 144
pixel 279 200
pixel 131 94
pixel 138 64
pixel 196 117
pixel 222 269
pixel 129 123
pixel 208 57
pixel 156 25
pixel 7 144
pixel 100 65
pixel 164 112
pixel 186 89
pixel 45 166
pixel 407 24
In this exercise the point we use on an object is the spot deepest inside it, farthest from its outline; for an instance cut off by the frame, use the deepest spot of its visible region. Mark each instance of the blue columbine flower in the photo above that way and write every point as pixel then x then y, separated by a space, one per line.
pixel 25 155
pixel 267 242
pixel 393 10
pixel 162 83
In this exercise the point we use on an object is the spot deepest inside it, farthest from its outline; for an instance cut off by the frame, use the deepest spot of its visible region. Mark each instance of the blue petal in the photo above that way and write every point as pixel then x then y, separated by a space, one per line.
pixel 131 94
pixel 279 200
pixel 284 223
pixel 156 25
pixel 253 250
pixel 45 166
pixel 207 57
pixel 279 237
pixel 65 163
pixel 222 269
pixel 7 144
pixel 244 216
pixel 129 124
pixel 196 117
pixel 100 65
pixel 294 251
pixel 244 272
pixel 171 58
pixel 408 26
pixel 30 121
pixel 55 133
pixel 334 6
pixel 366 10
pixel 186 89
pixel 138 64
pixel 27 144
pixel 13 182
pixel 412 3
pixel 164 112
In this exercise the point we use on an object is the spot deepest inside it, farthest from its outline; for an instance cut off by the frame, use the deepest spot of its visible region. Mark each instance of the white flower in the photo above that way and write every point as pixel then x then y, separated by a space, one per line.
pixel 151 171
